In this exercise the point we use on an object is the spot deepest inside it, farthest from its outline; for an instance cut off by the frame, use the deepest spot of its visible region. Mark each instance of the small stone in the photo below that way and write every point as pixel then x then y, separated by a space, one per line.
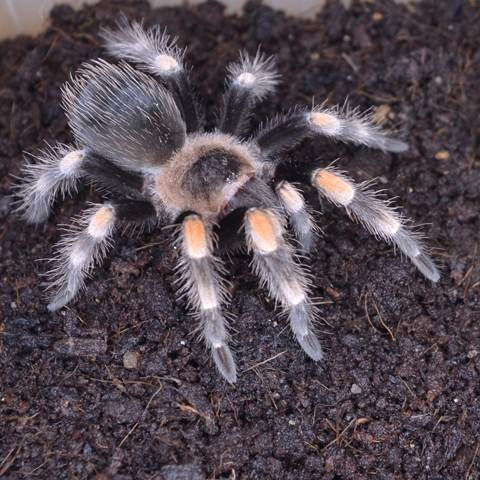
pixel 383 179
pixel 355 389
pixel 130 359
pixel 442 155
pixel 382 112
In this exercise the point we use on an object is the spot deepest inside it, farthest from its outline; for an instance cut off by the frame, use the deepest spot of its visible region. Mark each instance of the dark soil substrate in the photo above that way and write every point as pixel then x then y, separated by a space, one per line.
pixel 398 393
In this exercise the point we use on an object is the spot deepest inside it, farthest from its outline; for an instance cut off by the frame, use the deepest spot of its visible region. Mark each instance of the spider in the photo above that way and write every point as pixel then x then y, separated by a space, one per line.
pixel 140 133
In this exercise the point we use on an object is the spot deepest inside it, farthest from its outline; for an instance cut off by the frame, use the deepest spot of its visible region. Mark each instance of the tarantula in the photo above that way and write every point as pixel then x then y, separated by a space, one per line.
pixel 141 134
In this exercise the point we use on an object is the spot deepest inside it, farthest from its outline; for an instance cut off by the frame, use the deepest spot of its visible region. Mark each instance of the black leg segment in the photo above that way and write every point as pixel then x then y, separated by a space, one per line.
pixel 103 171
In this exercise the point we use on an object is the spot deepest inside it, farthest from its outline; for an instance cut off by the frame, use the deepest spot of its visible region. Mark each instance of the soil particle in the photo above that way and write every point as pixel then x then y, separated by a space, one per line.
pixel 397 396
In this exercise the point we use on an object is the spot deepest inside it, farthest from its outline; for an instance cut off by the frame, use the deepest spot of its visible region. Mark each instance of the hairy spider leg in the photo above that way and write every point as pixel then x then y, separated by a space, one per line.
pixel 100 170
pixel 57 170
pixel 125 125
pixel 205 290
pixel 156 54
pixel 336 123
pixel 376 215
pixel 273 261
pixel 87 242
pixel 303 226
pixel 248 81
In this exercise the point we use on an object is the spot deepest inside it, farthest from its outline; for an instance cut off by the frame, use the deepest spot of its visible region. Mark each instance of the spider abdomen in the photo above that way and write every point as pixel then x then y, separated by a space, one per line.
pixel 124 115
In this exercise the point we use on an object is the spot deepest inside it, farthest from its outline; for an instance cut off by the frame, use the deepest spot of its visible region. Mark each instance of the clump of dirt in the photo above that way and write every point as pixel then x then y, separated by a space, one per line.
pixel 398 393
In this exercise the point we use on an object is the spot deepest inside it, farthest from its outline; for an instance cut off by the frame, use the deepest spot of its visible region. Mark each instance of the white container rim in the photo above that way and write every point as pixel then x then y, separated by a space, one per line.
pixel 29 16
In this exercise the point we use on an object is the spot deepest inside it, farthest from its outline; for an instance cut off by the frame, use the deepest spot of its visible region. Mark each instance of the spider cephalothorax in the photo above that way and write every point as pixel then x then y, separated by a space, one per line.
pixel 141 135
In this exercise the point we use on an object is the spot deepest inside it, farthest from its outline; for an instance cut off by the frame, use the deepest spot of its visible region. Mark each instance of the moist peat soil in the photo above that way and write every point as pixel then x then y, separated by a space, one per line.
pixel 397 396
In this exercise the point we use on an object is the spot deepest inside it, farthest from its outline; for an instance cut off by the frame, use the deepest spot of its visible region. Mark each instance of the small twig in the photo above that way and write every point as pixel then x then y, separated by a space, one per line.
pixel 188 408
pixel 4 231
pixel 117 382
pixel 467 476
pixel 234 409
pixel 406 385
pixel 469 271
pixel 265 361
pixel 129 328
pixel 4 463
pixel 314 447
pixel 368 317
pixel 352 64
pixel 69 375
pixel 381 319
pixel 339 436
pixel 467 276
pixel 160 388
pixel 148 245
pixel 133 382
pixel 128 434
pixel 464 418
pixel 443 418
